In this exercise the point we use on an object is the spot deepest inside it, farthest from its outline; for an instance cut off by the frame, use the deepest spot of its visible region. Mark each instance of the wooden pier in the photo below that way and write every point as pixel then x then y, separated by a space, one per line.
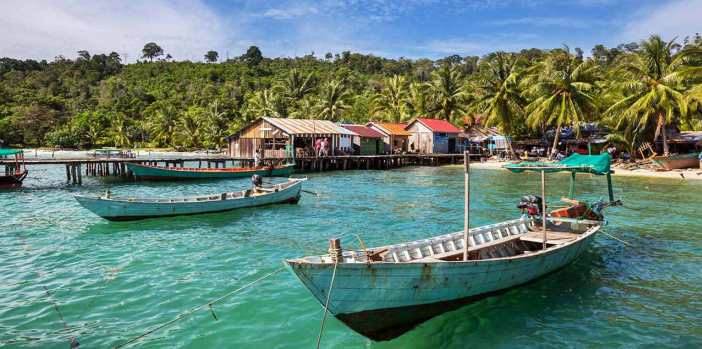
pixel 102 167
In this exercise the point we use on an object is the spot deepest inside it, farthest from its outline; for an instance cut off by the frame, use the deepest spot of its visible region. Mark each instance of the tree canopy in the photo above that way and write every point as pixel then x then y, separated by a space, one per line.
pixel 96 100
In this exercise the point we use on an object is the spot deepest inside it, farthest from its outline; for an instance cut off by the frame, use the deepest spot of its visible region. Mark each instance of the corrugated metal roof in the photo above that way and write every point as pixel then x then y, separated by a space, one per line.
pixel 304 126
pixel 395 129
pixel 363 131
pixel 438 125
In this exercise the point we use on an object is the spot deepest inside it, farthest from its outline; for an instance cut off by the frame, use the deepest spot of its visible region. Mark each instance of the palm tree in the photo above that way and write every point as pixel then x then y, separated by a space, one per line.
pixel 189 127
pixel 561 89
pixel 120 131
pixel 164 125
pixel 304 109
pixel 497 93
pixel 418 99
pixel 295 86
pixel 448 94
pixel 652 86
pixel 391 101
pixel 333 100
pixel 214 125
pixel 268 102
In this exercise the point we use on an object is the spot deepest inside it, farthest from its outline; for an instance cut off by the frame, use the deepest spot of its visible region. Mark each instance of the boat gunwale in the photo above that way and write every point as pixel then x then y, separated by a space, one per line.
pixel 213 170
pixel 194 199
pixel 590 231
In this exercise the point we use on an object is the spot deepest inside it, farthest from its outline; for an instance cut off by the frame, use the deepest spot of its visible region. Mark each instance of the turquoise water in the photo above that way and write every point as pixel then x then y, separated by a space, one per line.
pixel 113 281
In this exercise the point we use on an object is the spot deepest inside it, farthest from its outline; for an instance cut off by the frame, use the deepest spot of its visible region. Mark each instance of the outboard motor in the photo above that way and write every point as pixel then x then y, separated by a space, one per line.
pixel 256 180
pixel 531 205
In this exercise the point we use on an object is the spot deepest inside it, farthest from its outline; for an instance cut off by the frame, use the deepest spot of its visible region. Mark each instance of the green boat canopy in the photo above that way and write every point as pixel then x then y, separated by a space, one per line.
pixel 7 151
pixel 596 164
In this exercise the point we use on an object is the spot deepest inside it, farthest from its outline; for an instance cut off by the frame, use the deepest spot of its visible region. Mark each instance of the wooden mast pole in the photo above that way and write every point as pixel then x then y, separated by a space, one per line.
pixel 466 213
pixel 543 205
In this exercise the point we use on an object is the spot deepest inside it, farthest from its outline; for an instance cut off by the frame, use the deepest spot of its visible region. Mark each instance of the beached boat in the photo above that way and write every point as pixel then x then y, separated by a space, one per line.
pixel 14 173
pixel 125 209
pixel 673 162
pixel 171 173
pixel 386 291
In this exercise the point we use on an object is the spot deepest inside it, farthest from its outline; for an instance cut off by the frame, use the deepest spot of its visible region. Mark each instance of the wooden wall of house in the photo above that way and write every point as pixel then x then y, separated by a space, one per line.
pixel 371 146
pixel 422 138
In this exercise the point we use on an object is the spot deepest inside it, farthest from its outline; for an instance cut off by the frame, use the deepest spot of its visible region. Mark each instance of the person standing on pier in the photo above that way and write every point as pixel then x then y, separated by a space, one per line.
pixel 257 158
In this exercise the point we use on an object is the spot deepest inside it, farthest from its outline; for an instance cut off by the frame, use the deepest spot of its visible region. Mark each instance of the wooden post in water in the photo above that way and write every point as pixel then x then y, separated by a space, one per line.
pixel 466 213
pixel 543 205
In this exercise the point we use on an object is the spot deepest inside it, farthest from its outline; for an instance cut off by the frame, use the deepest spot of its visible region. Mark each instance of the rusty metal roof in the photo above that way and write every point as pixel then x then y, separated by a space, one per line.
pixel 363 131
pixel 305 126
pixel 394 129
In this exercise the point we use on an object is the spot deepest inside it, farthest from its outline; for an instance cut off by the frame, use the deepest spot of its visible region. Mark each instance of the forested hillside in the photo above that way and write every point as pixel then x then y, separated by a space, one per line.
pixel 96 100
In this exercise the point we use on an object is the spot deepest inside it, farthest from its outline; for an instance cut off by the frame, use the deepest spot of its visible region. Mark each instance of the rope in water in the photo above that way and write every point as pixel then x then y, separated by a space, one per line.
pixel 74 340
pixel 326 305
pixel 193 310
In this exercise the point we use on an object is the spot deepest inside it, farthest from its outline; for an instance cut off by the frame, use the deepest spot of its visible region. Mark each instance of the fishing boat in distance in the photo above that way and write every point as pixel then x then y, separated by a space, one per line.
pixel 175 173
pixel 385 291
pixel 127 209
pixel 15 172
pixel 678 161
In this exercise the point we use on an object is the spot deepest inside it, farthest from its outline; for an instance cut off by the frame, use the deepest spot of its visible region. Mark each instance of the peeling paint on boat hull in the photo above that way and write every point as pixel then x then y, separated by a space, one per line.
pixel 385 300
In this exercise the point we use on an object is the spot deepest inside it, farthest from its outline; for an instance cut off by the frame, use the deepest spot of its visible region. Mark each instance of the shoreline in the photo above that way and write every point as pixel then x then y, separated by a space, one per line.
pixel 690 173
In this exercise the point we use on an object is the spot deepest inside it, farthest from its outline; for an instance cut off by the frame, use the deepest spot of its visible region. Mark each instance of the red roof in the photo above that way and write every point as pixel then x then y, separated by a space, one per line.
pixel 439 125
pixel 363 131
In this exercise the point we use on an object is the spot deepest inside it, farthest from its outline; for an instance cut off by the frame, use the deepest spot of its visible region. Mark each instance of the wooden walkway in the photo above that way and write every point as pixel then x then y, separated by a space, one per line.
pixel 77 167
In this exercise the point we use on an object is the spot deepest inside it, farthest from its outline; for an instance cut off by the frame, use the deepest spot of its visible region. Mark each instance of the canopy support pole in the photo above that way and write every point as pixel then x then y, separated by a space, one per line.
pixel 609 187
pixel 571 192
pixel 466 213
pixel 543 205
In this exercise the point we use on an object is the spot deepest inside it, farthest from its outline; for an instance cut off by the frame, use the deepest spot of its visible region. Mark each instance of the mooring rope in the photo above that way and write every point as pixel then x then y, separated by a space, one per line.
pixel 326 305
pixel 74 339
pixel 193 310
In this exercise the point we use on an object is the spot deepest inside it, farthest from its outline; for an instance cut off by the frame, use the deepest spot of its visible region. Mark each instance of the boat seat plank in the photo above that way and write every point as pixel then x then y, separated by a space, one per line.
pixel 552 237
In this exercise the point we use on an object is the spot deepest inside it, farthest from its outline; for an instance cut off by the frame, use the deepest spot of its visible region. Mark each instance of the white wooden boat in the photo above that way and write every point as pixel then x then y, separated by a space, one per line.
pixel 124 209
pixel 385 291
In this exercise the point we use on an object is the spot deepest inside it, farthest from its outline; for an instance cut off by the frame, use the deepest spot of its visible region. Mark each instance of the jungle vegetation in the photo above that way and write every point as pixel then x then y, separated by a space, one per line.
pixel 639 90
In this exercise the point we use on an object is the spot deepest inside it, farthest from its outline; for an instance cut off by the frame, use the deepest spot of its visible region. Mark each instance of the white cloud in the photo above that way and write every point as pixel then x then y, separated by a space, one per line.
pixel 43 29
pixel 292 11
pixel 679 18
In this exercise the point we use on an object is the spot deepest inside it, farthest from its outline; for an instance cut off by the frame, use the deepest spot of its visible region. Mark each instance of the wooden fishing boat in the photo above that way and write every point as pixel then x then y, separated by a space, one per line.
pixel 125 209
pixel 673 162
pixel 15 172
pixel 385 291
pixel 173 173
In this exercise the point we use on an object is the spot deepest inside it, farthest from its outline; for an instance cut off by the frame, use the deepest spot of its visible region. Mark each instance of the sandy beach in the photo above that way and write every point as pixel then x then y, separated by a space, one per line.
pixel 690 173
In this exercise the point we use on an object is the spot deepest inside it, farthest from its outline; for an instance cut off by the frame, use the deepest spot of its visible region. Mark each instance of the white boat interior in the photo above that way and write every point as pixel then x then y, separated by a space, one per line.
pixel 506 239
pixel 251 192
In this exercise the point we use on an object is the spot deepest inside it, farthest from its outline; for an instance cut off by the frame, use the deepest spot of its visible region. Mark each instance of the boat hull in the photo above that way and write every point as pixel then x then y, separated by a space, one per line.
pixel 675 162
pixel 180 173
pixel 124 210
pixel 12 181
pixel 384 300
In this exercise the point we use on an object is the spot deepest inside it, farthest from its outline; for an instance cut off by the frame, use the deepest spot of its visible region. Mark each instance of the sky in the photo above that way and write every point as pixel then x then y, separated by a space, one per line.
pixel 44 29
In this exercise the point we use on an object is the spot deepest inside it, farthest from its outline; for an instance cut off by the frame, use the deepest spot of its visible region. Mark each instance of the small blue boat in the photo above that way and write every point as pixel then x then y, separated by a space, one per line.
pixel 385 291
pixel 126 209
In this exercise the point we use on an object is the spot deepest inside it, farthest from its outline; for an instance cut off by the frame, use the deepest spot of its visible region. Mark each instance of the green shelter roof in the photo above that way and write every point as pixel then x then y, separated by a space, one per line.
pixel 595 164
pixel 8 151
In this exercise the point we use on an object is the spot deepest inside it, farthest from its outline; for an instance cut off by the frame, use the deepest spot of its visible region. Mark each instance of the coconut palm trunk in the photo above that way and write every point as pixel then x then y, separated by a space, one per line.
pixel 556 137
pixel 664 133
